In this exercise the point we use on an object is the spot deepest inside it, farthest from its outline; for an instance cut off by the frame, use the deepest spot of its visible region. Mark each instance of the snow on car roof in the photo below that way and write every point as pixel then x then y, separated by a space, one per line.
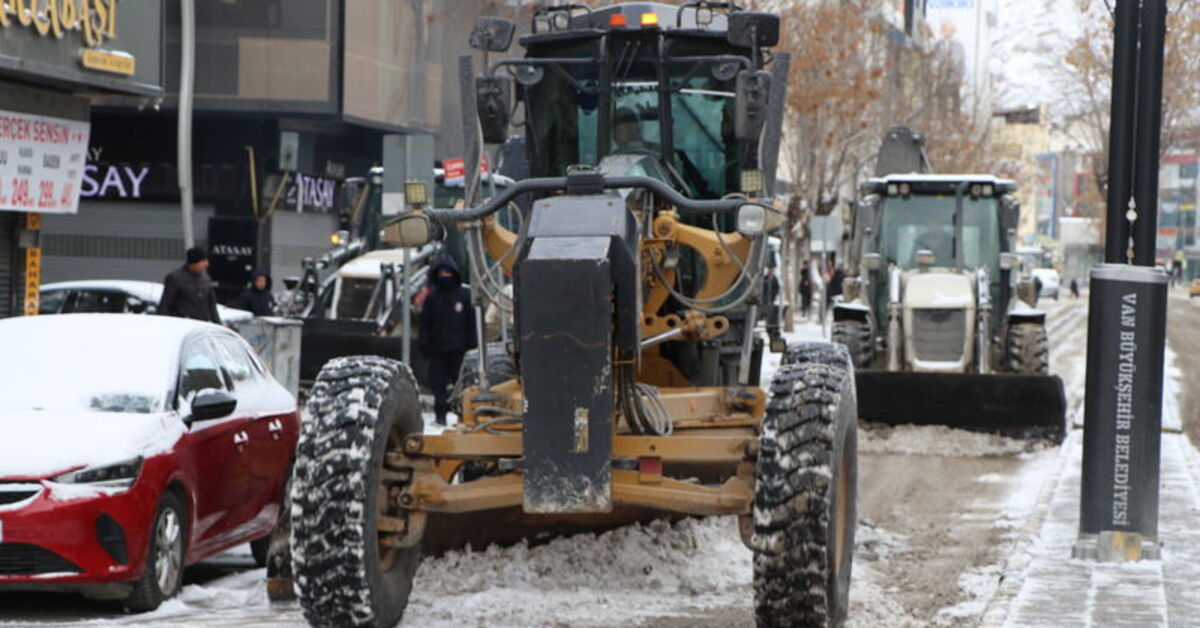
pixel 68 361
pixel 147 291
pixel 144 290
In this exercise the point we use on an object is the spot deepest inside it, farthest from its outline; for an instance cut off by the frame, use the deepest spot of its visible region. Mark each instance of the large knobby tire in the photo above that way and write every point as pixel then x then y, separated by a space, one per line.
pixel 500 368
pixel 1028 349
pixel 360 407
pixel 805 491
pixel 162 576
pixel 855 335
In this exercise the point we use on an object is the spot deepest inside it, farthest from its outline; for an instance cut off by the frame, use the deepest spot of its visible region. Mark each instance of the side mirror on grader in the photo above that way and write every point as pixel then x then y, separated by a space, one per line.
pixel 492 34
pixel 750 107
pixel 493 104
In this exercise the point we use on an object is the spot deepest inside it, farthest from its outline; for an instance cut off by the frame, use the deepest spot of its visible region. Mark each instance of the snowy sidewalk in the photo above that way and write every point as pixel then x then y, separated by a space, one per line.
pixel 1046 587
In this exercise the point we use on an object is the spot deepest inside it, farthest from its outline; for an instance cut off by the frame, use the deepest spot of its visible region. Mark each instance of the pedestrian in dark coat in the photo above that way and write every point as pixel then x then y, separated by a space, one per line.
pixel 447 331
pixel 257 297
pixel 806 290
pixel 188 292
pixel 835 285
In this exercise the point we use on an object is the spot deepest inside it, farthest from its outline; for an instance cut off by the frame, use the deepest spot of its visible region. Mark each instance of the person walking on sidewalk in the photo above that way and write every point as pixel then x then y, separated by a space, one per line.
pixel 806 289
pixel 447 331
pixel 188 291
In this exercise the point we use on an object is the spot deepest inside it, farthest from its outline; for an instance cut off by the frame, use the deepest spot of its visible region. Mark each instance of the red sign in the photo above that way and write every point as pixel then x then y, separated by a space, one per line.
pixel 455 171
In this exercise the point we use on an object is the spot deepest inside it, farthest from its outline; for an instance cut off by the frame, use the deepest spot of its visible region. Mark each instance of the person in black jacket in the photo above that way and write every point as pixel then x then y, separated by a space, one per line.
pixel 806 290
pixel 257 297
pixel 447 331
pixel 188 292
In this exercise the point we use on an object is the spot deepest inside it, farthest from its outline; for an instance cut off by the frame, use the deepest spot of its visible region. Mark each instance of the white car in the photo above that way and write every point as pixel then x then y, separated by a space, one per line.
pixel 1049 279
pixel 115 296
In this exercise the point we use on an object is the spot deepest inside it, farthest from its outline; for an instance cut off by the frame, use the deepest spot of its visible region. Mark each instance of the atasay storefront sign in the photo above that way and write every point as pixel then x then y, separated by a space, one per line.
pixel 41 162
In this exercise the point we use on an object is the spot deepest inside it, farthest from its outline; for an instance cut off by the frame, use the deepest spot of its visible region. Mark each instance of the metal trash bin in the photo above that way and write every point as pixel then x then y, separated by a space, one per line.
pixel 277 341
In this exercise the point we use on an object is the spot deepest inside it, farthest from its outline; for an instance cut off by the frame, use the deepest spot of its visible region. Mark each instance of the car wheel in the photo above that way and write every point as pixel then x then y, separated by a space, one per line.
pixel 163 574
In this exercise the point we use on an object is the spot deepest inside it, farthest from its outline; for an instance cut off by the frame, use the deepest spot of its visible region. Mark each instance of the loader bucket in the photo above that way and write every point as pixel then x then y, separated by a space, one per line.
pixel 1022 406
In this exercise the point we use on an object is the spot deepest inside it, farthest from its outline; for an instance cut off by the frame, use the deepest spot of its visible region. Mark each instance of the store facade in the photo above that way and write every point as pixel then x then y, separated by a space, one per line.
pixel 56 60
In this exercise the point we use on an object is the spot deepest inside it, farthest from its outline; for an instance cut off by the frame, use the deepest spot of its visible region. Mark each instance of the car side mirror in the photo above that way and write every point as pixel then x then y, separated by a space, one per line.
pixel 492 34
pixel 493 104
pixel 211 404
pixel 411 230
pixel 136 306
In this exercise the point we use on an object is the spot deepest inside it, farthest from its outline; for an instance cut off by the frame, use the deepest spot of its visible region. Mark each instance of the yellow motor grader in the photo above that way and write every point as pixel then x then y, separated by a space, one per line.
pixel 651 132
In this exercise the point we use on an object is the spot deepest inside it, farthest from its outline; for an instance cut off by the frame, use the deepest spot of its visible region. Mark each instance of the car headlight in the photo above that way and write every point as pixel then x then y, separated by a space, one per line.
pixel 117 475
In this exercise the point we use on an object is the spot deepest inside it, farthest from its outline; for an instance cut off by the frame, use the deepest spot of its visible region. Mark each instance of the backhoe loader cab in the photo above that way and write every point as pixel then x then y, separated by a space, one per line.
pixel 631 389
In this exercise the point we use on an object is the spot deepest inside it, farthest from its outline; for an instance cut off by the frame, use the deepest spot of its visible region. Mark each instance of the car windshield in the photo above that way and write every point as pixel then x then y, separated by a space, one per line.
pixel 80 366
pixel 918 222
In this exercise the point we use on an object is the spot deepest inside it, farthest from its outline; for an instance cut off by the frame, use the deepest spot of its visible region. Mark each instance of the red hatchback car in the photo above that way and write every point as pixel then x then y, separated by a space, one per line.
pixel 130 447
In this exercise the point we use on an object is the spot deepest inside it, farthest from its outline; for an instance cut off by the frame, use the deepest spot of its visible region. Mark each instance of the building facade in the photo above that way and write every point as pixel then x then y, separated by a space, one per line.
pixel 56 60
pixel 292 99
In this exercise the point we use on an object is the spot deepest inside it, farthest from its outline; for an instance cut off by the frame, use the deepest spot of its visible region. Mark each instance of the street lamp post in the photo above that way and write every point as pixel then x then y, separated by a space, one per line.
pixel 1127 311
pixel 187 70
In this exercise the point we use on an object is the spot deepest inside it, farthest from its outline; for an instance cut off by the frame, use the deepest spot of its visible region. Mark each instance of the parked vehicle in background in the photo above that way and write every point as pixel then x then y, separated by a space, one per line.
pixel 1050 282
pixel 1194 289
pixel 131 447
pixel 115 296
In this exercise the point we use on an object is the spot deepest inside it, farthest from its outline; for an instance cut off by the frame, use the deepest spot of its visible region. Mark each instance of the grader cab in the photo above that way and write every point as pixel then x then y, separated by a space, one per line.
pixel 651 131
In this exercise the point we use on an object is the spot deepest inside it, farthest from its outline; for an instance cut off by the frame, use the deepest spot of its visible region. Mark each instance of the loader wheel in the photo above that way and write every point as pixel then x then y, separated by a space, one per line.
pixel 1028 349
pixel 360 408
pixel 856 336
pixel 501 368
pixel 805 491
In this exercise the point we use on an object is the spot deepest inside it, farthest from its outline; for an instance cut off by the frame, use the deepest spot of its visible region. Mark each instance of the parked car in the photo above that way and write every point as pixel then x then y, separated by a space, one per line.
pixel 1194 289
pixel 131 447
pixel 1050 280
pixel 115 296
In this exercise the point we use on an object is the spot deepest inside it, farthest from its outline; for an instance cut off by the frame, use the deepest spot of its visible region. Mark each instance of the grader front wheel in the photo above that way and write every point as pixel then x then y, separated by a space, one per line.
pixel 347 572
pixel 805 488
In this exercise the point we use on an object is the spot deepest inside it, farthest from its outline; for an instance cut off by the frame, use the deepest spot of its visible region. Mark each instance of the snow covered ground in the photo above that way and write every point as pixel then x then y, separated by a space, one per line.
pixel 956 529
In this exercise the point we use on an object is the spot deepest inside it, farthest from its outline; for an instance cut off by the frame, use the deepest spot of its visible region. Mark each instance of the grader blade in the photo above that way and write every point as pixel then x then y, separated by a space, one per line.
pixel 1022 406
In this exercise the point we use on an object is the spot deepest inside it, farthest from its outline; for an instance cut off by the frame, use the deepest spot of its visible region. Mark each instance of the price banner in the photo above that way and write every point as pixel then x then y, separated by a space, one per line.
pixel 41 162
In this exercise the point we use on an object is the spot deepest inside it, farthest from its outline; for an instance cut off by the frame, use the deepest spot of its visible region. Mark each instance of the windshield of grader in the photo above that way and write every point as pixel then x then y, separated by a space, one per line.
pixel 917 222
pixel 565 109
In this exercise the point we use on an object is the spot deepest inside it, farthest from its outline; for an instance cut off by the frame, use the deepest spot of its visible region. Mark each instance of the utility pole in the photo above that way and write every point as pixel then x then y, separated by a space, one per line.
pixel 1127 310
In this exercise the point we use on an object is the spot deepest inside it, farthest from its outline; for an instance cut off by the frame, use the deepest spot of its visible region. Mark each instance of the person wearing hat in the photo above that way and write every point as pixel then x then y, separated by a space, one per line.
pixel 188 292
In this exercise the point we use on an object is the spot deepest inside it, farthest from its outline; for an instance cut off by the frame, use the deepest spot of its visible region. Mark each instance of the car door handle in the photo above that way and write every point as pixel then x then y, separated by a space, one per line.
pixel 275 426
pixel 240 439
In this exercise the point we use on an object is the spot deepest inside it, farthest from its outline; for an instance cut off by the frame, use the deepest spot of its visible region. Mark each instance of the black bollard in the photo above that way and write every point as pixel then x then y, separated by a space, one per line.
pixel 1118 517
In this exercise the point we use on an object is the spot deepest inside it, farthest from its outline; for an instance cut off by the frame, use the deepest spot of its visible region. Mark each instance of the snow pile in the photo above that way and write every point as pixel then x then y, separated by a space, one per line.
pixel 873 601
pixel 621 576
pixel 939 440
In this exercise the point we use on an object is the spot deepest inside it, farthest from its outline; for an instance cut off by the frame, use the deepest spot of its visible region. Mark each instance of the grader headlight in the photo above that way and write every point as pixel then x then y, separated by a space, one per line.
pixel 751 220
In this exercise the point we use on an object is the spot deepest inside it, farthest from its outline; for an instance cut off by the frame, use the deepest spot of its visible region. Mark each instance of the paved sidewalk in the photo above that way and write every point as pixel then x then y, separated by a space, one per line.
pixel 1044 586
